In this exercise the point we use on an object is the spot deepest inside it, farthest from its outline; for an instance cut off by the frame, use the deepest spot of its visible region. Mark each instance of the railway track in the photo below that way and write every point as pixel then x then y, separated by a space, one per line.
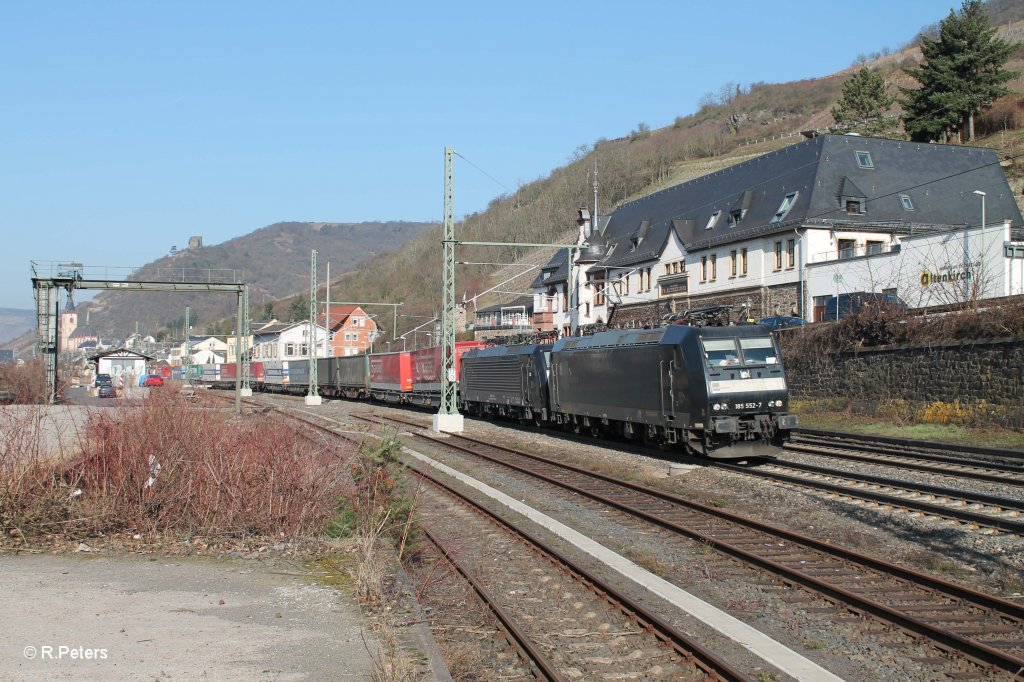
pixel 983 628
pixel 975 509
pixel 915 448
pixel 686 659
pixel 943 464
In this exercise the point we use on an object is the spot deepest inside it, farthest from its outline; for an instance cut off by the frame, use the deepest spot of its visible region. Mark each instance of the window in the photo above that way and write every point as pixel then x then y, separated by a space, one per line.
pixel 713 220
pixel 733 263
pixel 714 266
pixel 304 349
pixel 855 206
pixel 721 352
pixel 735 216
pixel 586 310
pixel 864 160
pixel 875 248
pixel 633 243
pixel 625 284
pixel 289 349
pixel 759 351
pixel 908 205
pixel 847 248
pixel 599 294
pixel 784 207
pixel 743 261
pixel 790 253
pixel 703 268
pixel 778 255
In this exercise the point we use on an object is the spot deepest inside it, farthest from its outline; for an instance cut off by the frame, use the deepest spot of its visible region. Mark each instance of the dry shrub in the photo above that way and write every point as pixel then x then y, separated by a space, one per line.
pixel 31 487
pixel 1006 113
pixel 26 382
pixel 872 327
pixel 381 509
pixel 164 466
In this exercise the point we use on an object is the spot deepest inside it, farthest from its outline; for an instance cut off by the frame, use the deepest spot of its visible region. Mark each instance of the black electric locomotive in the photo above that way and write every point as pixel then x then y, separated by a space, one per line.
pixel 715 391
pixel 506 381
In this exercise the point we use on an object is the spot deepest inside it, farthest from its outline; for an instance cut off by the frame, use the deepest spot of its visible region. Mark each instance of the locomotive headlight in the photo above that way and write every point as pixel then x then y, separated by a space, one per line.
pixel 716 407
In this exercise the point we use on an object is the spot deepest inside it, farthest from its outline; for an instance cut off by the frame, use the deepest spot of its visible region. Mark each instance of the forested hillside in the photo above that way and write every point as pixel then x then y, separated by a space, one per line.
pixel 274 260
pixel 734 124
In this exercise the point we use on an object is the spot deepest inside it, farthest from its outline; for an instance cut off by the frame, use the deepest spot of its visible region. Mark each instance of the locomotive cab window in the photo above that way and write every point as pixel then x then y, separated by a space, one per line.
pixel 759 351
pixel 721 352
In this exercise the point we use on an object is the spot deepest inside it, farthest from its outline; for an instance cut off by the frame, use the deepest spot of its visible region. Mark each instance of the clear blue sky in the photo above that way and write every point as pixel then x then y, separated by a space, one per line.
pixel 125 127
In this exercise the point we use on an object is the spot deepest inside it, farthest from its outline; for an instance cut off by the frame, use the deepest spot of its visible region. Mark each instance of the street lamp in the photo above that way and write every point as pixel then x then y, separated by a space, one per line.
pixel 983 253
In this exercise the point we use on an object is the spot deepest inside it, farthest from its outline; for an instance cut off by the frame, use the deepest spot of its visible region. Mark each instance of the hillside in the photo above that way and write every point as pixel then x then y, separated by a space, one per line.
pixel 737 124
pixel 274 260
pixel 14 322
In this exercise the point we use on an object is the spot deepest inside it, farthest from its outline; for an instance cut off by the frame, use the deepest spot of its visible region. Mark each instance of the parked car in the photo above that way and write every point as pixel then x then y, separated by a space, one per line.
pixel 107 391
pixel 153 380
pixel 781 321
pixel 845 304
pixel 103 380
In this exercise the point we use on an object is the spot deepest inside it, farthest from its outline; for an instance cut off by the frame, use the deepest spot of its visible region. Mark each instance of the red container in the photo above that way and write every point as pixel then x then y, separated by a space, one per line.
pixel 390 375
pixel 228 372
pixel 426 365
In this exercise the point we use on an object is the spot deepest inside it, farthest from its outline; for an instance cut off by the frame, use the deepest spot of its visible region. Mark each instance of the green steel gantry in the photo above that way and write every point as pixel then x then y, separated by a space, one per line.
pixel 448 417
pixel 45 286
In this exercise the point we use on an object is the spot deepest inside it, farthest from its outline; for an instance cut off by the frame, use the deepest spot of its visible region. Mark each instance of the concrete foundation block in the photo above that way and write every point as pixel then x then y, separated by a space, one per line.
pixel 448 423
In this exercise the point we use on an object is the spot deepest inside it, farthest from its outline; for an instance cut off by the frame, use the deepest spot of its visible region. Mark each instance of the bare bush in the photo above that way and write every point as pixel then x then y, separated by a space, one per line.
pixel 165 467
pixel 26 382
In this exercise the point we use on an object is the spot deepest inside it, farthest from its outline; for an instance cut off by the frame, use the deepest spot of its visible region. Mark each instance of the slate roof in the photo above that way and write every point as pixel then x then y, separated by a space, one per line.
pixel 520 302
pixel 939 179
pixel 122 351
pixel 83 332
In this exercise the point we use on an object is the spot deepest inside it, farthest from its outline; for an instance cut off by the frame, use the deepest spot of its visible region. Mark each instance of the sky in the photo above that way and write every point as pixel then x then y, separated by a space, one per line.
pixel 126 127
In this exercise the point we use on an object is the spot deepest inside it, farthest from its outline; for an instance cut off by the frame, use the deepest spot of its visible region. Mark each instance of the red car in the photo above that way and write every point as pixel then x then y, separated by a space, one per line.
pixel 153 380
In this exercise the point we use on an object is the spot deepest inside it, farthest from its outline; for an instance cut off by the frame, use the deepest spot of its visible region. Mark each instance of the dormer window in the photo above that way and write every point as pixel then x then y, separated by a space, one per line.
pixel 908 205
pixel 854 206
pixel 713 220
pixel 633 243
pixel 735 216
pixel 787 204
pixel 864 160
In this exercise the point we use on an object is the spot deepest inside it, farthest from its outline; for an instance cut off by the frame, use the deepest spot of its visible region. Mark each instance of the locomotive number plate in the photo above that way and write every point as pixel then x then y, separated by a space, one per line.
pixel 748 406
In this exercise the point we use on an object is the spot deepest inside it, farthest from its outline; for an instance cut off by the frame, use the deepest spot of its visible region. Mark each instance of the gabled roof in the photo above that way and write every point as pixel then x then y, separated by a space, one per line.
pixel 939 180
pixel 83 332
pixel 121 353
pixel 339 313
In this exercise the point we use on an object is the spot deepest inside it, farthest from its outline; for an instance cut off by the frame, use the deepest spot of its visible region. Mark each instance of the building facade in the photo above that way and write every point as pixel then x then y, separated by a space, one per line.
pixel 353 331
pixel 748 236
pixel 288 341
pixel 505 319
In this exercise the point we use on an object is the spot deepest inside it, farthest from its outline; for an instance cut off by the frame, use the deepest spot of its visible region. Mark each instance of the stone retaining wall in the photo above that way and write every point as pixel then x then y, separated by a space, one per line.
pixel 965 372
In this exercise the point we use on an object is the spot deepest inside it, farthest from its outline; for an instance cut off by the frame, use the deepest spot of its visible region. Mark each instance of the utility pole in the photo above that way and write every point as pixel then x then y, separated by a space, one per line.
pixel 327 313
pixel 186 361
pixel 313 397
pixel 448 418
pixel 243 364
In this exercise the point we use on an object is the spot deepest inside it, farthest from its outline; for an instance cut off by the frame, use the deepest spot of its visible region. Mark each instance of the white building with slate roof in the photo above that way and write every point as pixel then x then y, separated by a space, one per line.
pixel 768 236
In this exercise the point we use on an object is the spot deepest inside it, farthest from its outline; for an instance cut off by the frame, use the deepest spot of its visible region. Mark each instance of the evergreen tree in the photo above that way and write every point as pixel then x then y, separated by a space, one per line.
pixel 863 105
pixel 962 74
pixel 268 311
pixel 299 309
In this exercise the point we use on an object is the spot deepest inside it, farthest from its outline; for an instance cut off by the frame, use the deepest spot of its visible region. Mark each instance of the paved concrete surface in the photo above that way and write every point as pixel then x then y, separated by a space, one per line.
pixel 132 618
